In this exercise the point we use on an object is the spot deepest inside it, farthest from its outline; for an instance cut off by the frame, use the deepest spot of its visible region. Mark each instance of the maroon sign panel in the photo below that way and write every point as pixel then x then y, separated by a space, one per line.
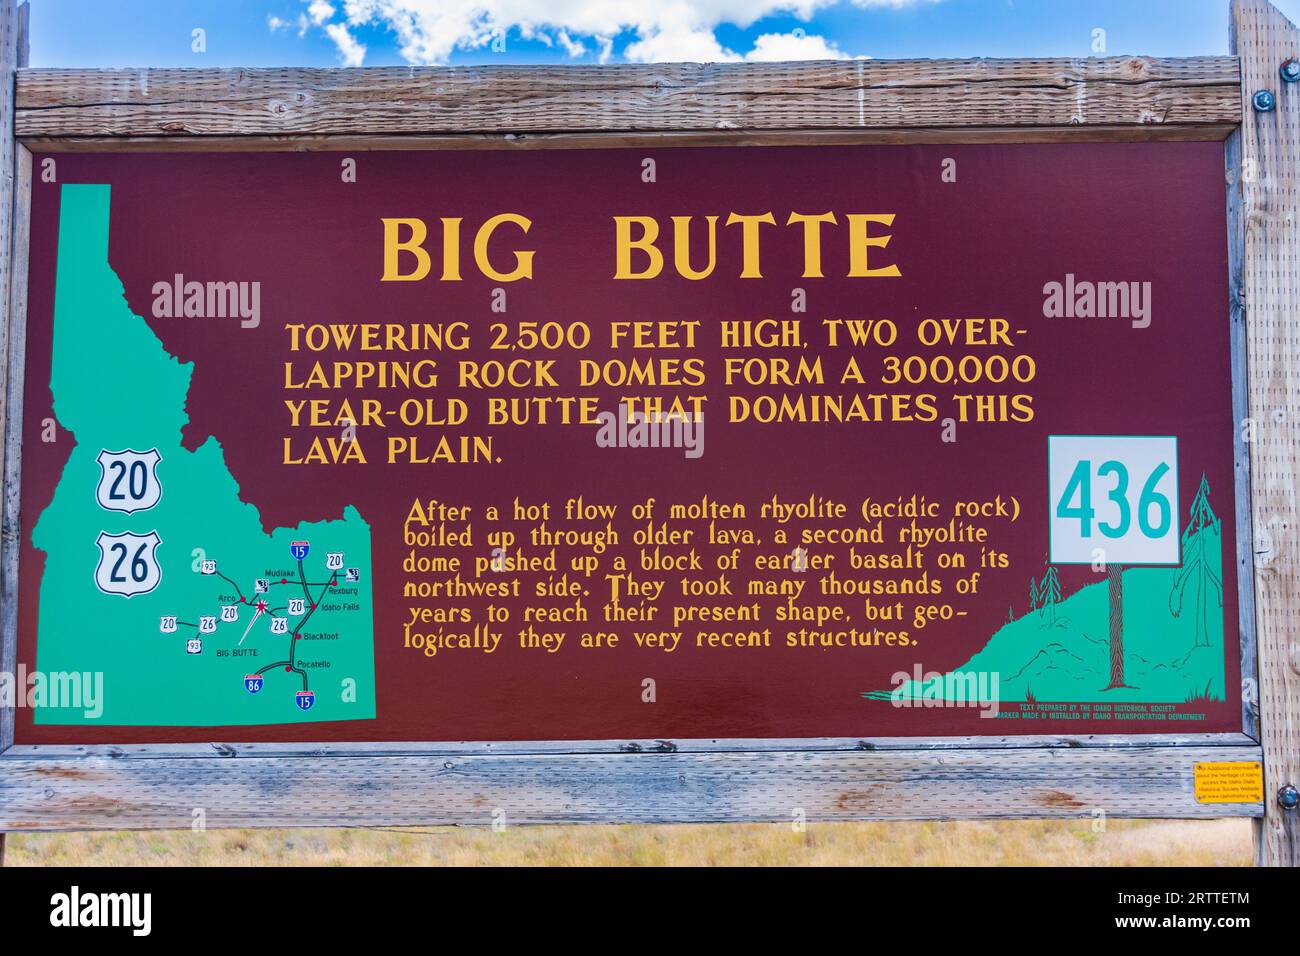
pixel 628 444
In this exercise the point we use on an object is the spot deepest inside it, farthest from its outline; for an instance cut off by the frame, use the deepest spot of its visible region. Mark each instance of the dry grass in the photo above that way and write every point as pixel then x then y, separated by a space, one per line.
pixel 1019 842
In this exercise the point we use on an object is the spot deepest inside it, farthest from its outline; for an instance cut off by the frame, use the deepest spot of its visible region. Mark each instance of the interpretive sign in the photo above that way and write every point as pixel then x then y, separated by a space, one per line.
pixel 822 441
pixel 749 443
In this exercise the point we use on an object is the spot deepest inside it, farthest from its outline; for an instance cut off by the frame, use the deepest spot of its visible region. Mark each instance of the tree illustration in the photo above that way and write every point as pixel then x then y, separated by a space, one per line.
pixel 1049 595
pixel 1033 593
pixel 1201 534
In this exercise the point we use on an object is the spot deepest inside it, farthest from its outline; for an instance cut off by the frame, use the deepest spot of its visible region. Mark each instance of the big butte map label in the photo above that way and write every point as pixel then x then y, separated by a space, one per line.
pixel 490 446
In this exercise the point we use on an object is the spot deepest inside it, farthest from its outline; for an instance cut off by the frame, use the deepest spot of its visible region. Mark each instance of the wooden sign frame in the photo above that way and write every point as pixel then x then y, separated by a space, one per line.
pixel 919 101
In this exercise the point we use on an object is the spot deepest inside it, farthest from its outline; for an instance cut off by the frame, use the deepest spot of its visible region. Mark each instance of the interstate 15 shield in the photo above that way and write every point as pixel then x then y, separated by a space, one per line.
pixel 128 480
pixel 128 563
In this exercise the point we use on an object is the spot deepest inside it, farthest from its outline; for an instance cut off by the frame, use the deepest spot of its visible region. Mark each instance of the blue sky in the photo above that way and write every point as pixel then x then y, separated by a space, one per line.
pixel 387 32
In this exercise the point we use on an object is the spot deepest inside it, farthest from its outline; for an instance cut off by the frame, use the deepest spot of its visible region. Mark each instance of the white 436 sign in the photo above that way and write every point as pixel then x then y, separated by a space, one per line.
pixel 1113 498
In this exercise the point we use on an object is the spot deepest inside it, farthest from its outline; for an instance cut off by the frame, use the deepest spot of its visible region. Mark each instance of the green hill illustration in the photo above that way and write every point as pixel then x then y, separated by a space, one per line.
pixel 157 575
pixel 1060 650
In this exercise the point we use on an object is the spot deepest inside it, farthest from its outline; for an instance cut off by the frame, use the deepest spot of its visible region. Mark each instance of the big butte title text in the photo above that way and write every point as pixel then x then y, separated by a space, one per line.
pixel 643 248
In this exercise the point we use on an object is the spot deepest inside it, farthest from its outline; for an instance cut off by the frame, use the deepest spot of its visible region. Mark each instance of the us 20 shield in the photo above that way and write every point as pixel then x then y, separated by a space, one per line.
pixel 128 480
pixel 128 563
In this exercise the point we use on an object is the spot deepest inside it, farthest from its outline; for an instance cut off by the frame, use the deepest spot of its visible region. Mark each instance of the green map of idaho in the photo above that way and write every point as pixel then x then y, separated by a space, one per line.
pixel 171 655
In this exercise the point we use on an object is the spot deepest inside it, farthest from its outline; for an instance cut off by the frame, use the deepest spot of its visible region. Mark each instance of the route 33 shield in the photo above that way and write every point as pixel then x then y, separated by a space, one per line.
pixel 128 480
pixel 128 563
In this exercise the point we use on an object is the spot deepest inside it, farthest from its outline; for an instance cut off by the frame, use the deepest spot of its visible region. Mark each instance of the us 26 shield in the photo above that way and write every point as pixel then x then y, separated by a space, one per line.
pixel 128 563
pixel 128 480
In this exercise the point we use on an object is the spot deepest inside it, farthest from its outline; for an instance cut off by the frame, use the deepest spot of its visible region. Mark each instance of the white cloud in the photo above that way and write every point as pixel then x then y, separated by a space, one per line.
pixel 430 31
pixel 319 11
pixel 351 52
pixel 276 24
pixel 678 34
pixel 571 46
pixel 794 46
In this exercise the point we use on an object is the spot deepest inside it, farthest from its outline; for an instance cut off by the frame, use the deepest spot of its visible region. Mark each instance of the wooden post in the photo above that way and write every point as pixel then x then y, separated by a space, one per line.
pixel 13 54
pixel 1115 594
pixel 1269 148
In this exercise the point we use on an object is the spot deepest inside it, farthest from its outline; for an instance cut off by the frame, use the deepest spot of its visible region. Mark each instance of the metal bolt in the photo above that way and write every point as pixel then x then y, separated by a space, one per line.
pixel 1288 797
pixel 1264 101
pixel 1291 70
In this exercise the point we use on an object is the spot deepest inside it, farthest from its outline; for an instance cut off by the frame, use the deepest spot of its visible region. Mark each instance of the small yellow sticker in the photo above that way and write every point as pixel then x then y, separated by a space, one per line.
pixel 1229 782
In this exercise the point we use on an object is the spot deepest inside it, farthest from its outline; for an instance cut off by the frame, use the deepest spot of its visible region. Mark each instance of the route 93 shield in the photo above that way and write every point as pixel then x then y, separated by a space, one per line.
pixel 128 563
pixel 128 480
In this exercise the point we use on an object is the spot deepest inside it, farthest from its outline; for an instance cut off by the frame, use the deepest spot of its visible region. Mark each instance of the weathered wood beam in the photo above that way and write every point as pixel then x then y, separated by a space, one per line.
pixel 1268 287
pixel 529 141
pixel 416 748
pixel 1136 92
pixel 97 792
pixel 14 159
pixel 15 169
